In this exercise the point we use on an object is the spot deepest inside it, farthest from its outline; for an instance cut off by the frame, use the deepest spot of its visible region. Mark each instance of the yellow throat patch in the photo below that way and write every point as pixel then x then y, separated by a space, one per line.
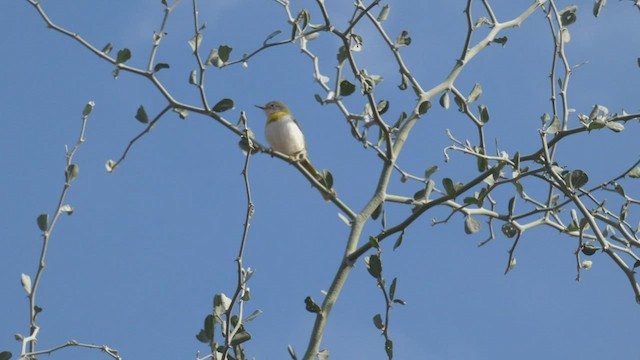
pixel 277 116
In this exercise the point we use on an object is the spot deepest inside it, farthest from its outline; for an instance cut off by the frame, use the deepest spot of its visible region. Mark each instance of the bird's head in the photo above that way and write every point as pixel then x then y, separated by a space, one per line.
pixel 275 110
pixel 273 107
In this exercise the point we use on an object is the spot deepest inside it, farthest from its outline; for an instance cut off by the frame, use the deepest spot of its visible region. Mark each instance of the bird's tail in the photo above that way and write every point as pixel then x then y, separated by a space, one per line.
pixel 328 191
pixel 310 168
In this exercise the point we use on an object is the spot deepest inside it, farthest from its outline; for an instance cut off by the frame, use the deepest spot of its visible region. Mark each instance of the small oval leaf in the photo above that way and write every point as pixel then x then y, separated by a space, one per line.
pixel 123 56
pixel 475 93
pixel 141 115
pixel 374 266
pixel 471 225
pixel 25 280
pixel 43 222
pixel 377 321
pixel 72 172
pixel 424 107
pixel 223 105
pixel 346 88
pixel 445 100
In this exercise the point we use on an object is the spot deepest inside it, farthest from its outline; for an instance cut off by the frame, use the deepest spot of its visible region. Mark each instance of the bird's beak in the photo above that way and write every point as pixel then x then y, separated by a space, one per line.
pixel 259 107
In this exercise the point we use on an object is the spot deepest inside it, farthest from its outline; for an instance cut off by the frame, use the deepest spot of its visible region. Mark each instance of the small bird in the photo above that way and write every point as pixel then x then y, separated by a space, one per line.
pixel 284 135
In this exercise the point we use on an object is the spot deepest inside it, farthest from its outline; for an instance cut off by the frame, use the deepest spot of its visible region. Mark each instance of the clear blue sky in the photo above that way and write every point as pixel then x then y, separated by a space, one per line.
pixel 137 264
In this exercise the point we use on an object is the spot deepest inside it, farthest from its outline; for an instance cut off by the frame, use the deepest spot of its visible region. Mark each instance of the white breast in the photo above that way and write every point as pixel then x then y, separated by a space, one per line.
pixel 285 136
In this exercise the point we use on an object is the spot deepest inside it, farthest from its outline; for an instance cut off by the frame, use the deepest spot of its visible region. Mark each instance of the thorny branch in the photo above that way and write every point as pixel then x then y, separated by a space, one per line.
pixel 71 172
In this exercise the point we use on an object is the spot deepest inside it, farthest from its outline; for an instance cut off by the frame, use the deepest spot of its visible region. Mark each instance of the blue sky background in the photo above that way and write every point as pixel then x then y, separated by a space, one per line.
pixel 136 266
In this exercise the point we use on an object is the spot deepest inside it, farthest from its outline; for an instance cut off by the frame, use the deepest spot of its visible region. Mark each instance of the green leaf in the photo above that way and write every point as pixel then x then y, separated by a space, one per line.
pixel 214 58
pixel 110 165
pixel 247 295
pixel 223 105
pixel 115 73
pixel 424 107
pixel 403 39
pixel 448 186
pixel 614 126
pixel 107 48
pixel 192 77
pixel 5 355
pixel 377 321
pixel 141 115
pixel 160 66
pixel 471 225
pixel 71 172
pixel 555 125
pixel 25 280
pixel 383 221
pixel 444 100
pixel 123 56
pixel 458 100
pixel 404 83
pixel 271 36
pixel 246 144
pixel 392 288
pixel 399 301
pixel 67 209
pixel 374 242
pixel 209 325
pixel 634 173
pixel 589 249
pixel 470 200
pixel 292 352
pixel 195 41
pixel 382 106
pixel 253 315
pixel 401 119
pixel 545 119
pixel 501 40
pixel 369 82
pixel 388 348
pixel 430 171
pixel 377 212
pixel 578 179
pixel 311 306
pixel 568 15
pixel 323 354
pixel 475 93
pixel 481 162
pixel 240 337
pixel 509 230
pixel 221 304
pixel 224 51
pixel 342 55
pixel 384 13
pixel 374 266
pixel 356 43
pixel 484 113
pixel 88 108
pixel 596 124
pixel 182 113
pixel 326 178
pixel 398 241
pixel 346 88
pixel 597 7
pixel 520 189
pixel 624 210
pixel 512 205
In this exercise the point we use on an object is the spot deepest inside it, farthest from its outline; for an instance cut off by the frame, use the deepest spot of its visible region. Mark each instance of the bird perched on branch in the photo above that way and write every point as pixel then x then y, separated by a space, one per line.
pixel 284 135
